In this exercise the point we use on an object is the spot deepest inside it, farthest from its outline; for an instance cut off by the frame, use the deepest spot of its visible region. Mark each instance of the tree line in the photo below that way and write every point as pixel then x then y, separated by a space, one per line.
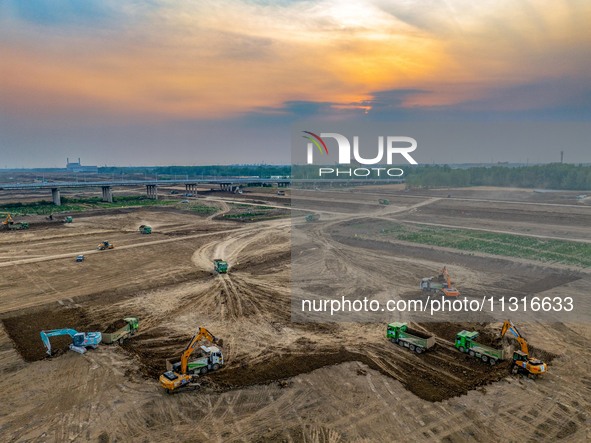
pixel 548 176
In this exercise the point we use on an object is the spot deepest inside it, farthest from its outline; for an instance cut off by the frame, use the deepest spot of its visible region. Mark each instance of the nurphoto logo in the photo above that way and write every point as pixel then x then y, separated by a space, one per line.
pixel 394 145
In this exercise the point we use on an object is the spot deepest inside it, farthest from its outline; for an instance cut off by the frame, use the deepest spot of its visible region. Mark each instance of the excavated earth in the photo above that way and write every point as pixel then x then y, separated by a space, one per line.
pixel 283 380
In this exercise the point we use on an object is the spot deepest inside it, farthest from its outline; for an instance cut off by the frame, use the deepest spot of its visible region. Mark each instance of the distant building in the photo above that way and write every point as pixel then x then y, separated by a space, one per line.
pixel 77 167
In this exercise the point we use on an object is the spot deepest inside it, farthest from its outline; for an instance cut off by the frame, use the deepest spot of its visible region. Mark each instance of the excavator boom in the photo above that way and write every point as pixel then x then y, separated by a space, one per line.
pixel 201 334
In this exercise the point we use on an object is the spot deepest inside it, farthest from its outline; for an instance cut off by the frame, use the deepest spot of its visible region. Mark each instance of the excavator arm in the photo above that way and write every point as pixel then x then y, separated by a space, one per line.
pixel 508 326
pixel 53 333
pixel 201 334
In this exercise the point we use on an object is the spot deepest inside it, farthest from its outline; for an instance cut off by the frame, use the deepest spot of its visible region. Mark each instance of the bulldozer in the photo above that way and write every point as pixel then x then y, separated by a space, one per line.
pixel 105 245
pixel 180 375
pixel 522 362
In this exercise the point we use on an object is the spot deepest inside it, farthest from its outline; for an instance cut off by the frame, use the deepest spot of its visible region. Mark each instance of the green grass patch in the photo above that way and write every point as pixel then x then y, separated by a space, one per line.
pixel 201 209
pixel 70 204
pixel 509 245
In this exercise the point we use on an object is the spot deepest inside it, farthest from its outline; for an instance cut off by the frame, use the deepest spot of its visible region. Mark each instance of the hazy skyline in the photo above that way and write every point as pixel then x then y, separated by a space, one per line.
pixel 177 82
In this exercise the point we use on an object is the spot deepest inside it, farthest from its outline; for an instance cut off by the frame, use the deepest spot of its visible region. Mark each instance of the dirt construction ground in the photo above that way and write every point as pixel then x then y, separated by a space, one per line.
pixel 282 381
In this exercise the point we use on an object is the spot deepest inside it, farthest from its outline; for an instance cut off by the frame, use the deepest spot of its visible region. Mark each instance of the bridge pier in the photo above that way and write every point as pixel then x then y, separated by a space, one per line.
pixel 191 188
pixel 107 194
pixel 56 197
pixel 152 191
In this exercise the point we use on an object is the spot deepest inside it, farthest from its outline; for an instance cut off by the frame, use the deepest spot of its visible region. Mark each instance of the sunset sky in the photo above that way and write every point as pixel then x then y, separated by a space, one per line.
pixel 159 82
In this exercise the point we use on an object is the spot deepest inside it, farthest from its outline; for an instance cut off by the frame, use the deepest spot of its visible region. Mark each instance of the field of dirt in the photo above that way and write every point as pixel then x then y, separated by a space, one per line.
pixel 282 380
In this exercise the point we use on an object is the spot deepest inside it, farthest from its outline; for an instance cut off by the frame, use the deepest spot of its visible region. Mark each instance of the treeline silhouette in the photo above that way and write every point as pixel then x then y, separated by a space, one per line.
pixel 547 176
pixel 263 171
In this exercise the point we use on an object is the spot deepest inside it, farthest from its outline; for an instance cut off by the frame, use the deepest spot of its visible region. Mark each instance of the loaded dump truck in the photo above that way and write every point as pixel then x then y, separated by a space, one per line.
pixel 211 359
pixel 428 285
pixel 412 339
pixel 220 266
pixel 121 330
pixel 466 342
pixel 384 201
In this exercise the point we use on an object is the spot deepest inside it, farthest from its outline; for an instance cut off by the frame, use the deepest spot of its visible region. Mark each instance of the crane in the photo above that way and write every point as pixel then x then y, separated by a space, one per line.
pixel 80 340
pixel 449 290
pixel 178 376
pixel 521 359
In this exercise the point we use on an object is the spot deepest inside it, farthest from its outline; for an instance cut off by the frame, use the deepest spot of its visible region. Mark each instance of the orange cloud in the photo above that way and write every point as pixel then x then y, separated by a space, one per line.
pixel 213 60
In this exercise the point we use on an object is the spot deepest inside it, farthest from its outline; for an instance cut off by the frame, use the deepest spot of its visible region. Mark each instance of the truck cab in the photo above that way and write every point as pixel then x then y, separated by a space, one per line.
pixel 464 340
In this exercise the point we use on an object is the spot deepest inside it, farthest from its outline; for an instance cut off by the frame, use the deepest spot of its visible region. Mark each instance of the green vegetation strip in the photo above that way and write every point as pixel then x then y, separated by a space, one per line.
pixel 79 204
pixel 509 245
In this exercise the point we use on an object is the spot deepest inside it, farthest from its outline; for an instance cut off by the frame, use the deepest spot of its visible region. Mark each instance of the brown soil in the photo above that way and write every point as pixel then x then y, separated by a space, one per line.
pixel 24 330
pixel 113 327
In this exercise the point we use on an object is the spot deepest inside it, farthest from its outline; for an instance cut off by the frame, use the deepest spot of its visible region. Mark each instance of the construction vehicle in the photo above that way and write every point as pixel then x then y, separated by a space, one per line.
pixel 121 330
pixel 178 377
pixel 281 193
pixel 442 285
pixel 522 362
pixel 220 266
pixel 312 217
pixel 466 342
pixel 384 201
pixel 68 219
pixel 105 245
pixel 211 359
pixel 79 258
pixel 412 339
pixel 145 229
pixel 12 225
pixel 80 340
pixel 428 285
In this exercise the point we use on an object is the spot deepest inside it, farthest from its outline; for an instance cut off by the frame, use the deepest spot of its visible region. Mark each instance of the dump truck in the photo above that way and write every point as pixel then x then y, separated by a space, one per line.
pixel 17 226
pixel 428 285
pixel 466 342
pixel 384 201
pixel 68 219
pixel 145 229
pixel 121 330
pixel 211 359
pixel 220 266
pixel 412 339
pixel 312 217
pixel 105 245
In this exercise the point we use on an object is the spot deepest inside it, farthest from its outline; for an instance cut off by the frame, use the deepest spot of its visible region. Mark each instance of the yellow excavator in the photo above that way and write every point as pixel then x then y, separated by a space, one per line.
pixel 179 376
pixel 8 220
pixel 522 362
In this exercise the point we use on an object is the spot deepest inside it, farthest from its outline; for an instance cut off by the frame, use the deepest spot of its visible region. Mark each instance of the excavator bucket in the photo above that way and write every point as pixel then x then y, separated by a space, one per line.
pixel 450 292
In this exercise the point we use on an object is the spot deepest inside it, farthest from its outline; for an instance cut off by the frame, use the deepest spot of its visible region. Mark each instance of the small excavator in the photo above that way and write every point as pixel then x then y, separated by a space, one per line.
pixel 179 376
pixel 522 362
pixel 448 289
pixel 80 340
